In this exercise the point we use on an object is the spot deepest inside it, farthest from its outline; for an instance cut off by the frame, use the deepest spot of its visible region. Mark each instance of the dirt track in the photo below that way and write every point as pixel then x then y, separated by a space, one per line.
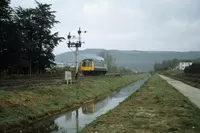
pixel 191 92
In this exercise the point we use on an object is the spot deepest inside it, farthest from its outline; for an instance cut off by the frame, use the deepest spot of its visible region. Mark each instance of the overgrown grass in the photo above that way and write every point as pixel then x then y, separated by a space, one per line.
pixel 156 108
pixel 21 107
pixel 191 79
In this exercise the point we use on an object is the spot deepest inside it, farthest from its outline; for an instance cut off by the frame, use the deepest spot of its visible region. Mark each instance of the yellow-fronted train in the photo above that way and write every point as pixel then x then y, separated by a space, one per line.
pixel 93 67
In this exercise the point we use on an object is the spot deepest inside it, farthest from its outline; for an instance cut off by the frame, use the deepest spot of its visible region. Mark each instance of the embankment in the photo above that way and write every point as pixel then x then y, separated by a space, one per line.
pixel 23 106
pixel 156 107
pixel 190 79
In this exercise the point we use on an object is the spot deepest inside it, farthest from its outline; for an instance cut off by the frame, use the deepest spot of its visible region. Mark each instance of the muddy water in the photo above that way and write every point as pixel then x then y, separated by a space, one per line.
pixel 74 121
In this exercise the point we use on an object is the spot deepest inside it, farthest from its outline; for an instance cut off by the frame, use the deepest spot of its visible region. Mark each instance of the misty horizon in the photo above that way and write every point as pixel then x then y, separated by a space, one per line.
pixel 127 50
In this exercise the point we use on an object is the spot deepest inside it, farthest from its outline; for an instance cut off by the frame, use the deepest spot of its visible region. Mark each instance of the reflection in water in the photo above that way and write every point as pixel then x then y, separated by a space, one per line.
pixel 94 107
pixel 88 109
pixel 74 121
pixel 68 116
pixel 86 114
pixel 77 121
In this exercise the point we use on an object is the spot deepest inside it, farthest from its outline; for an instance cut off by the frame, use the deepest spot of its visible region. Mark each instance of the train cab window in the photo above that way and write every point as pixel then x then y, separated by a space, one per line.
pixel 84 64
pixel 90 64
pixel 87 64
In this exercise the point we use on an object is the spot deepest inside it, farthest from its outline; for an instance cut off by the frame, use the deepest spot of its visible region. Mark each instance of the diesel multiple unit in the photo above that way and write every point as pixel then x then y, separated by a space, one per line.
pixel 93 67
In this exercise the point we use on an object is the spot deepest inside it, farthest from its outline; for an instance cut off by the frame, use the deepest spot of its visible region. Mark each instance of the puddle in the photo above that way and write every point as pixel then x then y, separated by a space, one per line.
pixel 74 121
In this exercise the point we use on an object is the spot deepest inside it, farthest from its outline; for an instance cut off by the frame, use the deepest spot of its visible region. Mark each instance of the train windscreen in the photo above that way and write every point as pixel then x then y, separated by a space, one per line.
pixel 87 64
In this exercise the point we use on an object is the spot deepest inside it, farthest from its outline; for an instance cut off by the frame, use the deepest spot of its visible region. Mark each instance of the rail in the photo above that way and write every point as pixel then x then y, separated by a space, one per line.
pixel 11 84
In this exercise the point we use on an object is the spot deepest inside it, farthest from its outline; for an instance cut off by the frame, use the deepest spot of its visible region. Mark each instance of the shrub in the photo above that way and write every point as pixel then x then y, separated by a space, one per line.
pixel 194 68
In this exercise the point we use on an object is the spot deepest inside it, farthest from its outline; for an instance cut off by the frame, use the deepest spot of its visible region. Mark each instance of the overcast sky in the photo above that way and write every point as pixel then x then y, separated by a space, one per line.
pixel 166 25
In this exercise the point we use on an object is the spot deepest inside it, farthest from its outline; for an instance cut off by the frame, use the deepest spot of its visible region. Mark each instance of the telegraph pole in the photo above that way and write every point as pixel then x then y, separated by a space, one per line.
pixel 76 45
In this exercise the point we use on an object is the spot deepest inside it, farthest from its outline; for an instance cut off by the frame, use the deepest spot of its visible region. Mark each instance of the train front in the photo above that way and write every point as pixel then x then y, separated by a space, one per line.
pixel 87 66
pixel 93 67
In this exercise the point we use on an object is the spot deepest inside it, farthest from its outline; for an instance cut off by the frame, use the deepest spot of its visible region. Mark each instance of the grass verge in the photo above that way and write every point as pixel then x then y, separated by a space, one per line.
pixel 21 107
pixel 190 79
pixel 156 107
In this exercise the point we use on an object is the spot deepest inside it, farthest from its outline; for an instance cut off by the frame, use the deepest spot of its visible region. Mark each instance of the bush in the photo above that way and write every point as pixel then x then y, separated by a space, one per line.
pixel 194 68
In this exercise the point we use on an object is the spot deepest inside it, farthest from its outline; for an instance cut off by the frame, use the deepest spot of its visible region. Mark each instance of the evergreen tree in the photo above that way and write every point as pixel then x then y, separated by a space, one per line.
pixel 35 26
pixel 10 44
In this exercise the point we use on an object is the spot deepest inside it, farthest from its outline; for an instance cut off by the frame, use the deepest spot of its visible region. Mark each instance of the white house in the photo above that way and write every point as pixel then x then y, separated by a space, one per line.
pixel 183 65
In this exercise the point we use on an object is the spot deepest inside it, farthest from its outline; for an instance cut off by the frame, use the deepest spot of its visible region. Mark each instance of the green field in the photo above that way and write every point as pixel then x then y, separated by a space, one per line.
pixel 156 108
pixel 23 106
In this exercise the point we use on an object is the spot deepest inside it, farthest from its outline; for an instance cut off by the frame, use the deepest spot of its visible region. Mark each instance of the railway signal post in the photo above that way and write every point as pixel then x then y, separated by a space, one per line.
pixel 76 45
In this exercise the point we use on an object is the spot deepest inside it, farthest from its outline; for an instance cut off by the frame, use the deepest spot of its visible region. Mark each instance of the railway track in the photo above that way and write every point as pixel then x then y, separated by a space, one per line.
pixel 12 84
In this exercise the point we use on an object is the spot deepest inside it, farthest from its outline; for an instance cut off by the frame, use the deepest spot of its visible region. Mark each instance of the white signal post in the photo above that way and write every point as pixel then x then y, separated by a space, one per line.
pixel 76 45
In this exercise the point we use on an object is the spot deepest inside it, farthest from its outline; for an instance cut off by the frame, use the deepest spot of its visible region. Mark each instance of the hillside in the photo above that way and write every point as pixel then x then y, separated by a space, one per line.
pixel 137 60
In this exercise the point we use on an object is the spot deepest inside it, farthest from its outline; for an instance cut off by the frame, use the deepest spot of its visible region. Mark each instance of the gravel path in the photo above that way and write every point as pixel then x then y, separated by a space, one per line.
pixel 191 92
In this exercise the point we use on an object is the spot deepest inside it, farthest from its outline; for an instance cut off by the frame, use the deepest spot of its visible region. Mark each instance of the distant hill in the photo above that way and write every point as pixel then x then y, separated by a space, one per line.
pixel 141 61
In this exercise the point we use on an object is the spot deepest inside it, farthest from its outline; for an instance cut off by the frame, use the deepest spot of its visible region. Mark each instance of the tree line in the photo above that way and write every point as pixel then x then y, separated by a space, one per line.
pixel 111 63
pixel 166 65
pixel 172 64
pixel 26 39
